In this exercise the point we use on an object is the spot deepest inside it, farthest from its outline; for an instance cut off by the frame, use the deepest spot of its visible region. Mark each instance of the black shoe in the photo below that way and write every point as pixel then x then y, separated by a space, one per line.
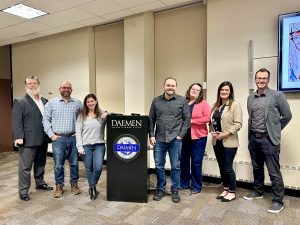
pixel 158 195
pixel 220 197
pixel 44 187
pixel 25 197
pixel 227 199
pixel 175 197
pixel 93 193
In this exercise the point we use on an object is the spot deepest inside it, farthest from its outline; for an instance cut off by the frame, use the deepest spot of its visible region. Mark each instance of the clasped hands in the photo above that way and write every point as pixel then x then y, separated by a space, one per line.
pixel 219 135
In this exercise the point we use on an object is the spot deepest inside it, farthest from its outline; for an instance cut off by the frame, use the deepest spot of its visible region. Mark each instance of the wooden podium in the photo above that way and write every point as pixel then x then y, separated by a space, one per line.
pixel 127 158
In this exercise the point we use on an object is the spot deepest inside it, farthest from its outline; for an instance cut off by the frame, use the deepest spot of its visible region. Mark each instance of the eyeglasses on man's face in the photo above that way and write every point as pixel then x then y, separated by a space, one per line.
pixel 262 78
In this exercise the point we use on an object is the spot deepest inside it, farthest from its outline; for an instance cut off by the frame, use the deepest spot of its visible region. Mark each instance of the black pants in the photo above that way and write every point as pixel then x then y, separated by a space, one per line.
pixel 262 150
pixel 225 158
pixel 35 156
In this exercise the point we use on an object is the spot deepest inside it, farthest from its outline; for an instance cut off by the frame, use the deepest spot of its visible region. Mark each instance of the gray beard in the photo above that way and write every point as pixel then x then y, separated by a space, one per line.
pixel 33 92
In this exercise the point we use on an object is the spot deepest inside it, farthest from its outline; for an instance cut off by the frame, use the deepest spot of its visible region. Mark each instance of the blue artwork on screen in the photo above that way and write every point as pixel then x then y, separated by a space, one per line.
pixel 294 53
pixel 289 52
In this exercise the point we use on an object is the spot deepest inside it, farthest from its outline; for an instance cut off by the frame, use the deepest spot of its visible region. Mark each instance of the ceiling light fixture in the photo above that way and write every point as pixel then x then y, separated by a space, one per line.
pixel 24 11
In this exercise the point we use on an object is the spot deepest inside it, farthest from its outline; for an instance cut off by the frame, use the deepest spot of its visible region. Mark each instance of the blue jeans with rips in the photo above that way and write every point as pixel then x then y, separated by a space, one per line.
pixel 65 148
pixel 191 163
pixel 160 151
pixel 93 161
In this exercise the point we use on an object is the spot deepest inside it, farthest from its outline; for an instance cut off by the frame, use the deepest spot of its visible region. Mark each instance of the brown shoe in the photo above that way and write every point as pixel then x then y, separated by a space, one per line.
pixel 58 193
pixel 75 189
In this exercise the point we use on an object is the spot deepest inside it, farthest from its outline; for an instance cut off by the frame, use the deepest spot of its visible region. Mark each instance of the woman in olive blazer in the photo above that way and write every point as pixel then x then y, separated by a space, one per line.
pixel 227 118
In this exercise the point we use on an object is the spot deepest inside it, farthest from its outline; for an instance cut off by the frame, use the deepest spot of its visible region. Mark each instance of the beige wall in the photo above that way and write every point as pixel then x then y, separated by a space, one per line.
pixel 139 62
pixel 180 47
pixel 109 48
pixel 53 59
pixel 230 26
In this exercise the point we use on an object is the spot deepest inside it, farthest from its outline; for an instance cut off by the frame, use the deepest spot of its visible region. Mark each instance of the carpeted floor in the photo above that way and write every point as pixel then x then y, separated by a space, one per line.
pixel 200 208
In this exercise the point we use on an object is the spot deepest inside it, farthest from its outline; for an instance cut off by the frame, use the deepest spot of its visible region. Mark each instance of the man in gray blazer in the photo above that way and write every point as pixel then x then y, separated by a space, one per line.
pixel 29 136
pixel 269 113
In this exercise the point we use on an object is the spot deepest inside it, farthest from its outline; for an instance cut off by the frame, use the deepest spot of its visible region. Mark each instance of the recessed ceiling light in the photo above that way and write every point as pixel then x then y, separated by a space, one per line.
pixel 24 11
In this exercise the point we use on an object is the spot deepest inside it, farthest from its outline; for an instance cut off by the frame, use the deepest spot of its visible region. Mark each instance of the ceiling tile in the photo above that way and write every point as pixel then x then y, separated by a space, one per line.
pixel 118 15
pixel 9 32
pixel 9 19
pixel 92 21
pixel 2 25
pixel 71 26
pixel 11 41
pixel 174 2
pixel 51 20
pixel 76 2
pixel 32 36
pixel 18 1
pixel 50 31
pixel 6 3
pixel 17 39
pixel 47 5
pixel 147 7
pixel 101 7
pixel 131 3
pixel 30 27
pixel 74 15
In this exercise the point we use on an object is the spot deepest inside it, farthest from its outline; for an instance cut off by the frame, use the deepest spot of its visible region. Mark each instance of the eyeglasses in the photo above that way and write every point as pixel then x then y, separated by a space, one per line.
pixel 193 89
pixel 262 78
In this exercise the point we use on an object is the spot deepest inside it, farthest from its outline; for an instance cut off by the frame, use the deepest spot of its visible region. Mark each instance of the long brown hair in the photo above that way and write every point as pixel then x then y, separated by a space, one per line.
pixel 218 103
pixel 85 111
pixel 200 97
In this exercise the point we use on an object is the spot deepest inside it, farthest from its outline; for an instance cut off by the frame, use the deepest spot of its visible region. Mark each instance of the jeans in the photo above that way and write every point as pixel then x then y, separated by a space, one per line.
pixel 191 163
pixel 262 150
pixel 65 148
pixel 160 151
pixel 225 158
pixel 93 161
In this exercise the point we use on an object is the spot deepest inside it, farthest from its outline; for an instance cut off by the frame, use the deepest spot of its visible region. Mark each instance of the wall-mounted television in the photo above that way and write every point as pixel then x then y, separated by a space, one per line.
pixel 289 52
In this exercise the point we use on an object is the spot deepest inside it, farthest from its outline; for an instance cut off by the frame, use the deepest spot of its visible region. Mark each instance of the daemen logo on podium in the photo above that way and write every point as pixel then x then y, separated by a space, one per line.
pixel 126 147
pixel 126 123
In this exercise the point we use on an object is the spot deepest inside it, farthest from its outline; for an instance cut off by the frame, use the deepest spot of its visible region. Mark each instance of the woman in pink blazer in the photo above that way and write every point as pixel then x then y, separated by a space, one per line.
pixel 194 142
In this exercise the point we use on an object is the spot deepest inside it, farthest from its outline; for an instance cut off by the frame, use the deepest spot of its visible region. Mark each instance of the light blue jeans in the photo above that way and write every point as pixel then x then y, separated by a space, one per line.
pixel 93 161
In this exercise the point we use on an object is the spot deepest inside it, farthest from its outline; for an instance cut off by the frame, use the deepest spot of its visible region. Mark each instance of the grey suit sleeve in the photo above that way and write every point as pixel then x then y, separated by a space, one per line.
pixel 186 117
pixel 17 120
pixel 284 110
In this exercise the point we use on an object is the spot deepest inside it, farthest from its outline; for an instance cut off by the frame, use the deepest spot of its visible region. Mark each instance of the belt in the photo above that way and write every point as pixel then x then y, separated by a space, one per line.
pixel 65 134
pixel 259 134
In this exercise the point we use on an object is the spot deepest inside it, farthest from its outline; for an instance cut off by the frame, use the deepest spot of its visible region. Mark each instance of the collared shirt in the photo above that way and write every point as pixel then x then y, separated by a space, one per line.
pixel 169 118
pixel 258 120
pixel 39 103
pixel 60 116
